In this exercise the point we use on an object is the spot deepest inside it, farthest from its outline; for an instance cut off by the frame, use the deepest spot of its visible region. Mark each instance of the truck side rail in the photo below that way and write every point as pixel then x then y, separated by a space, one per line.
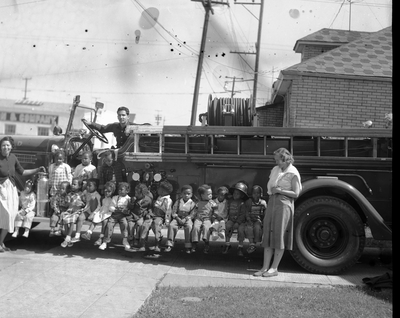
pixel 220 142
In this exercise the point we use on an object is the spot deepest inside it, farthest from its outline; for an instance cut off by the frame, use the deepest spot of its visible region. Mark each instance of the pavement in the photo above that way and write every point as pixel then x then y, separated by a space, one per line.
pixel 39 278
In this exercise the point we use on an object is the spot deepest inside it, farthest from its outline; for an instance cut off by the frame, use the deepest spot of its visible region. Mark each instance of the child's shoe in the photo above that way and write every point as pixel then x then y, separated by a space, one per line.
pixel 86 236
pixel 75 239
pixel 168 249
pixel 15 234
pixel 51 234
pixel 103 246
pixel 98 242
pixel 135 243
pixel 251 249
pixel 58 233
pixel 65 243
pixel 125 243
pixel 26 233
pixel 214 235
pixel 187 250
pixel 157 249
pixel 142 249
pixel 226 249
pixel 240 251
pixel 222 235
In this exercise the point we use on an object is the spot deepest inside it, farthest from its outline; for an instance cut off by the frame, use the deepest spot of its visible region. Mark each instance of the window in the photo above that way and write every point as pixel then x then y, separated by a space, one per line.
pixel 9 129
pixel 43 131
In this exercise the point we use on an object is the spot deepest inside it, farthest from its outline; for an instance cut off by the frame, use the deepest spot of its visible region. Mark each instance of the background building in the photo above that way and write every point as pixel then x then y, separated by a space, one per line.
pixel 343 80
pixel 25 117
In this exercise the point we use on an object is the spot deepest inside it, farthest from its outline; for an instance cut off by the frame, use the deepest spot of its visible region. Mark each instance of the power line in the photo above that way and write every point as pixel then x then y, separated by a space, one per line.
pixel 337 13
pixel 22 3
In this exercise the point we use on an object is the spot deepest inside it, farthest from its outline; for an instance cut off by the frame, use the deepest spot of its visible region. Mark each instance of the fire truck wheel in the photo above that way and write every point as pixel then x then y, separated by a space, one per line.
pixel 329 235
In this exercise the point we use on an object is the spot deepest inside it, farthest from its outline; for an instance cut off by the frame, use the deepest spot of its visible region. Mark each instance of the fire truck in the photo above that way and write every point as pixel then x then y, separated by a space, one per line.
pixel 346 174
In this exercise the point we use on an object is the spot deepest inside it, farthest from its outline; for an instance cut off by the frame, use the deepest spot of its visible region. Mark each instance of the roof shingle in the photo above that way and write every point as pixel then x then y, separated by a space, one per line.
pixel 370 55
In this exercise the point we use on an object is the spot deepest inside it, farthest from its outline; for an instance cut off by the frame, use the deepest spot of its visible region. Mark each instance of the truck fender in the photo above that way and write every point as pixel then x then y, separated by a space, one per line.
pixel 379 229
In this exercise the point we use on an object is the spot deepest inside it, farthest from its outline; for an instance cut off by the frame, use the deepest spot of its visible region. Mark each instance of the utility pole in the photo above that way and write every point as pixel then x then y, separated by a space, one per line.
pixel 233 83
pixel 158 118
pixel 207 4
pixel 26 79
pixel 258 47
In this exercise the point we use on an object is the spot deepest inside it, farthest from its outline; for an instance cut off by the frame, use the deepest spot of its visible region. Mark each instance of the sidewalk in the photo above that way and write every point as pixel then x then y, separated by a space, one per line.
pixel 83 281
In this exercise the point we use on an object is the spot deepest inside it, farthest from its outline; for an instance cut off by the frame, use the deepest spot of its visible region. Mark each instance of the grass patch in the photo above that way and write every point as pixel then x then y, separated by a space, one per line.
pixel 179 302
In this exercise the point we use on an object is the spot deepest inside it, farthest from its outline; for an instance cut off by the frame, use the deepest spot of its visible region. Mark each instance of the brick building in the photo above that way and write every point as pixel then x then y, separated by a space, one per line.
pixel 344 79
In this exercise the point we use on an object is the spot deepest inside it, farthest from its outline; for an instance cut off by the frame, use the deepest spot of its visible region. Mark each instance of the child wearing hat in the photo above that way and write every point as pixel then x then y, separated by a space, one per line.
pixel 27 202
pixel 237 211
pixel 254 218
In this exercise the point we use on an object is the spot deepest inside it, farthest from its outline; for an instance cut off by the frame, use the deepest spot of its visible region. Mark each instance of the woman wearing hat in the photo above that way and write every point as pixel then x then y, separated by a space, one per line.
pixel 284 186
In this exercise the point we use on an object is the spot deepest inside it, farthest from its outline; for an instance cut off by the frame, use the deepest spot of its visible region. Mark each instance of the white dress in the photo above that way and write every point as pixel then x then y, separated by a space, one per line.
pixel 104 212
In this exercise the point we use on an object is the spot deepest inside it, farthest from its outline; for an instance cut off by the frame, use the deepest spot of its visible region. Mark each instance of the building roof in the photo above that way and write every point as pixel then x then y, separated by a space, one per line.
pixel 368 56
pixel 328 37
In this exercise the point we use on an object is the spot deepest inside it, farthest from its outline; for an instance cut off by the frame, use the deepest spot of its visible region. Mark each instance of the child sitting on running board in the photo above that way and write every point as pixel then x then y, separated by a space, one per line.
pixel 202 219
pixel 162 209
pixel 59 203
pixel 119 209
pixel 76 204
pixel 254 218
pixel 27 202
pixel 182 214
pixel 217 229
pixel 237 211
pixel 141 204
pixel 101 216
pixel 92 199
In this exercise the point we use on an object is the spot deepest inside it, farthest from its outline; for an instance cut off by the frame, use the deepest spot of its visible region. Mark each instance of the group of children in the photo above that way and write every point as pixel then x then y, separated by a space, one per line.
pixel 75 198
pixel 214 219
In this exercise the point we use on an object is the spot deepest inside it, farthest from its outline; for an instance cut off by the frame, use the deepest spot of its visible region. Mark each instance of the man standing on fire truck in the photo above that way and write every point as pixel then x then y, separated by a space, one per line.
pixel 118 129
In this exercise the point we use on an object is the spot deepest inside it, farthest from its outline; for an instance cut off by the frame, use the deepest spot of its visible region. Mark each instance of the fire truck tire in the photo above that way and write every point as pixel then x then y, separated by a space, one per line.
pixel 329 235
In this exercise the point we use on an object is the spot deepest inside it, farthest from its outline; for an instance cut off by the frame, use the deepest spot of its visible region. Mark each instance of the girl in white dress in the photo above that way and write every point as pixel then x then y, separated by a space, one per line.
pixel 101 215
pixel 27 202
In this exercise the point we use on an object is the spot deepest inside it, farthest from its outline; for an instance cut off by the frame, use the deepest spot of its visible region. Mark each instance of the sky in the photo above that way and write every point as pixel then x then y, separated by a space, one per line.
pixel 112 52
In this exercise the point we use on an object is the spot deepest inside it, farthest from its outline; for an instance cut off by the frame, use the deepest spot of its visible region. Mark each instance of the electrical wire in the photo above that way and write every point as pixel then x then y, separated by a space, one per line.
pixel 337 13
